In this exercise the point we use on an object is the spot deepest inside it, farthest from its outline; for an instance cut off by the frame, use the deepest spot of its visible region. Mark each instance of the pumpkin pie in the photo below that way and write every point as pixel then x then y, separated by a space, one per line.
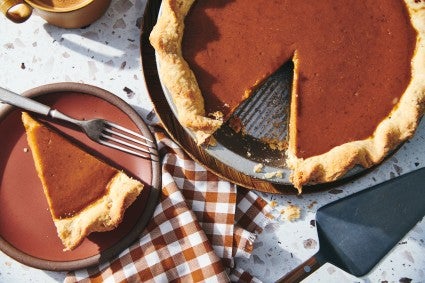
pixel 359 72
pixel 84 194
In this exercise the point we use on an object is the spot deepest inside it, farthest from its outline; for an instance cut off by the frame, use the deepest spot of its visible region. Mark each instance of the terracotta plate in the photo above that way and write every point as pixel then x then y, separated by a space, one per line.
pixel 27 232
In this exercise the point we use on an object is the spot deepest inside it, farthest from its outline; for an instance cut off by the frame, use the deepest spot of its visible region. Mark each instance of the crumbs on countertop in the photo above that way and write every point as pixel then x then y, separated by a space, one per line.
pixel 291 212
pixel 273 203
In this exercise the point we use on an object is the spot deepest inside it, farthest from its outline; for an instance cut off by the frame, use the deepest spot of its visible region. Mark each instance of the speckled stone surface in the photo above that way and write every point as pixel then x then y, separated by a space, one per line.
pixel 106 54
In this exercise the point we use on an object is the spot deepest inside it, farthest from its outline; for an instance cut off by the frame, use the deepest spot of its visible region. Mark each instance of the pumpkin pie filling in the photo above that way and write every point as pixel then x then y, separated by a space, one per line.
pixel 358 87
pixel 352 62
pixel 73 191
pixel 84 193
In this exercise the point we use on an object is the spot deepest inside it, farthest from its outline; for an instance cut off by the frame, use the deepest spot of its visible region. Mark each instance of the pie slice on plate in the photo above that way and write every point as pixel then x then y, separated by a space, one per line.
pixel 359 73
pixel 84 194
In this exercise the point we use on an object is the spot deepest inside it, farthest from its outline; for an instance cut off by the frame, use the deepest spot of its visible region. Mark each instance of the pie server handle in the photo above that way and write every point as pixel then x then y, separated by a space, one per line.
pixel 23 102
pixel 303 270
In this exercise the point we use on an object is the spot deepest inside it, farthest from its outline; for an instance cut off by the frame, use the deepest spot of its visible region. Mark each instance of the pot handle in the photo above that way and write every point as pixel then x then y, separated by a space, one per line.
pixel 17 11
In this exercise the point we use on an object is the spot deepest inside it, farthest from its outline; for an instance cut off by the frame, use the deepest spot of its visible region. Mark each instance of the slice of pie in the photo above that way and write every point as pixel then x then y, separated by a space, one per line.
pixel 84 193
pixel 359 72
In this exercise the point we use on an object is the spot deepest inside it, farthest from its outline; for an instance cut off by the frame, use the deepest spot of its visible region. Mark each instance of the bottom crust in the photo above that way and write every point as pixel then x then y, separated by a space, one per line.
pixel 103 215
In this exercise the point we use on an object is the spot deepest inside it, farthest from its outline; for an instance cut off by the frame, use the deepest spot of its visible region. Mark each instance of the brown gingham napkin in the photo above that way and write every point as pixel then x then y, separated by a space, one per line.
pixel 199 226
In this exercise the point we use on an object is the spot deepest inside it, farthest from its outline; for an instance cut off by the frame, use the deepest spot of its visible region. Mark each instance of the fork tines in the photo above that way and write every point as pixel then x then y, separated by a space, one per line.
pixel 123 139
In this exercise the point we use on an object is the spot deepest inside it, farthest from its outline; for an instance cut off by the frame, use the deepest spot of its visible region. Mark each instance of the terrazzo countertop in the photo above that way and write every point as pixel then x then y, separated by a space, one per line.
pixel 106 54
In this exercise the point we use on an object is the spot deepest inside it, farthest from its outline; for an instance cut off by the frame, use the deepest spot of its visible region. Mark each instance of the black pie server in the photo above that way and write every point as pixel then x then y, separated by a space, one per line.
pixel 357 231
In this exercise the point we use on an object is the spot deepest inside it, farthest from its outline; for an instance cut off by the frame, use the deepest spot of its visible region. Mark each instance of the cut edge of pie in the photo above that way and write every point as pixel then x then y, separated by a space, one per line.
pixel 400 125
pixel 103 214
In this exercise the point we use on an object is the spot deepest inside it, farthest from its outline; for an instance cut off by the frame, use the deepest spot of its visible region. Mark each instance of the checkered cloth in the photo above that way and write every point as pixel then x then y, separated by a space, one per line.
pixel 199 226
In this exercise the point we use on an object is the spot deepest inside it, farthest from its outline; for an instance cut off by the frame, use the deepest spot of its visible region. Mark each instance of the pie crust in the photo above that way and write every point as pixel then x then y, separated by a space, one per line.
pixel 398 126
pixel 84 194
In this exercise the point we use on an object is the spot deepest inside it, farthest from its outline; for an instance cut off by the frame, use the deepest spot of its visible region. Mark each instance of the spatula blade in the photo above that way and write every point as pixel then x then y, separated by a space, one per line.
pixel 356 232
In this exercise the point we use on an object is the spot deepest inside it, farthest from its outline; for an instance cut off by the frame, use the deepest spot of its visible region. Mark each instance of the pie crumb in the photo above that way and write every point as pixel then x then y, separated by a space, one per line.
pixel 273 203
pixel 291 212
pixel 26 149
pixel 275 144
pixel 275 174
pixel 211 142
pixel 258 168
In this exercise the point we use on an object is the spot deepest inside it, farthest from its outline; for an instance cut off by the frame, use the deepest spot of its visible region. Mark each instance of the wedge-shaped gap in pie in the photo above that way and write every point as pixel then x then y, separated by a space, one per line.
pixel 258 128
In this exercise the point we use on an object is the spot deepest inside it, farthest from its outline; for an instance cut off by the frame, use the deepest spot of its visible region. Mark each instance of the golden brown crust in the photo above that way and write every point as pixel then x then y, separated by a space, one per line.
pixel 103 215
pixel 166 38
pixel 397 127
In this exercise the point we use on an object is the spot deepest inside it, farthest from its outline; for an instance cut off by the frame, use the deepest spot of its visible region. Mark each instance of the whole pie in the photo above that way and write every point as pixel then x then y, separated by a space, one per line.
pixel 359 72
pixel 84 193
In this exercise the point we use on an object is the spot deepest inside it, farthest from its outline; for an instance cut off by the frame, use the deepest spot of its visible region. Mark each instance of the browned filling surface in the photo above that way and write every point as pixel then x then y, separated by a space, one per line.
pixel 73 179
pixel 352 60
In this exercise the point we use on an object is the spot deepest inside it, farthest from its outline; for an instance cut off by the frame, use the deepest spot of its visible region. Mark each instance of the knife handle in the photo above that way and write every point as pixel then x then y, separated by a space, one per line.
pixel 303 270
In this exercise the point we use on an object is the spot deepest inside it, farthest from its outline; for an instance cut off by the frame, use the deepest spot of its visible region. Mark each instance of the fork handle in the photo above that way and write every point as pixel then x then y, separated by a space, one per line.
pixel 31 105
pixel 23 102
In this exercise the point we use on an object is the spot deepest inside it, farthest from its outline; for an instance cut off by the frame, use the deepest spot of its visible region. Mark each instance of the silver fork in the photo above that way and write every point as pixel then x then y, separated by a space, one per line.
pixel 98 130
